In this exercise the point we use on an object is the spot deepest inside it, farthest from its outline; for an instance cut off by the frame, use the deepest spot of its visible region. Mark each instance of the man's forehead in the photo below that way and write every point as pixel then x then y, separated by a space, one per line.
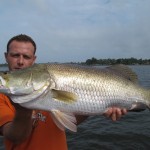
pixel 18 52
pixel 21 49
pixel 21 45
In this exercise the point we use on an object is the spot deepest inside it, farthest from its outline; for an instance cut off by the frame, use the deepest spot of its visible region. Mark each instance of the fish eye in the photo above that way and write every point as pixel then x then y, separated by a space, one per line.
pixel 5 72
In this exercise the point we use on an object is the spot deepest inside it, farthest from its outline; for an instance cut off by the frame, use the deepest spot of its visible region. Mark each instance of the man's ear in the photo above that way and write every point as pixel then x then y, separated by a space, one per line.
pixel 34 60
pixel 5 54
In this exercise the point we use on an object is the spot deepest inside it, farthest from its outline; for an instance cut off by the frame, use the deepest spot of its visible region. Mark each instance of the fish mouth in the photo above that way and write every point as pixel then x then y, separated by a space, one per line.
pixel 2 82
pixel 3 89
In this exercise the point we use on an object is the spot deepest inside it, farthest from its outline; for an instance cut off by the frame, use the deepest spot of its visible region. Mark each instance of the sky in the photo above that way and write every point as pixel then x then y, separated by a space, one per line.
pixel 77 30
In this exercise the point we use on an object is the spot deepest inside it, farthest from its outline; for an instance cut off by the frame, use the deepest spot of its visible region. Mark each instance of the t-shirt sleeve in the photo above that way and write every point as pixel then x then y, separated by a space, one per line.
pixel 7 110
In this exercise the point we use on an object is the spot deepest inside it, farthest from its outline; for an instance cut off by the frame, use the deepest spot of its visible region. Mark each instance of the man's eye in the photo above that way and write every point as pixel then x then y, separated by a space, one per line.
pixel 26 57
pixel 15 56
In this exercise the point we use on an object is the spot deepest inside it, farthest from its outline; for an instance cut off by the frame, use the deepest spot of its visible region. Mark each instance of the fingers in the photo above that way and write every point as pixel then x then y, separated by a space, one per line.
pixel 124 111
pixel 108 113
pixel 115 113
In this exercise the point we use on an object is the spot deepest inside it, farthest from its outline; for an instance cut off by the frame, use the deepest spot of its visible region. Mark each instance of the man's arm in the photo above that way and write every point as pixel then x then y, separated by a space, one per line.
pixel 20 128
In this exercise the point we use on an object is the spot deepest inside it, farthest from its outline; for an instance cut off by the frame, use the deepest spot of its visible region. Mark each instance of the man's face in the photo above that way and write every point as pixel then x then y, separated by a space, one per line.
pixel 20 55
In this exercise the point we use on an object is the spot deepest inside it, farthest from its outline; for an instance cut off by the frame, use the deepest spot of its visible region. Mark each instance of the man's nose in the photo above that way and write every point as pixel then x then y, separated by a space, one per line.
pixel 20 60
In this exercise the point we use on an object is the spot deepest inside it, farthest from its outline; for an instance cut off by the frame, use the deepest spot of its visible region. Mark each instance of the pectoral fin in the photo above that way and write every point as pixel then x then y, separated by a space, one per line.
pixel 64 120
pixel 64 96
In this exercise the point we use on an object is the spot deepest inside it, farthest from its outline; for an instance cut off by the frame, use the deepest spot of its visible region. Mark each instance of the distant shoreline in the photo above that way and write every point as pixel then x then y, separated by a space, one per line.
pixel 6 65
pixel 3 65
pixel 101 62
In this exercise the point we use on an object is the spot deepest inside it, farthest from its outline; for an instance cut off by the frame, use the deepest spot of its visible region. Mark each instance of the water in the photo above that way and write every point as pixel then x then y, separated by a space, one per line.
pixel 131 132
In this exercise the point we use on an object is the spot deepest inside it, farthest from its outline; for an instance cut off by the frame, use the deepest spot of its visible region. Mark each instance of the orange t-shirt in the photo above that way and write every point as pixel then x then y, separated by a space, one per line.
pixel 45 134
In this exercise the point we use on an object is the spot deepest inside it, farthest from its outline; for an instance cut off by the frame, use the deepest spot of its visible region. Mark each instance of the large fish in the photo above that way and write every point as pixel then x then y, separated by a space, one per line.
pixel 69 90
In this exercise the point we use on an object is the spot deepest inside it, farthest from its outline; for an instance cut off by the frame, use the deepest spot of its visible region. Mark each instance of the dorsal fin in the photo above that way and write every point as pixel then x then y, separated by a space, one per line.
pixel 125 71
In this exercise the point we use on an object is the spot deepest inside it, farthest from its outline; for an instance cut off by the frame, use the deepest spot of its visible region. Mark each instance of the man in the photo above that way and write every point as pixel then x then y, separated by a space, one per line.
pixel 25 129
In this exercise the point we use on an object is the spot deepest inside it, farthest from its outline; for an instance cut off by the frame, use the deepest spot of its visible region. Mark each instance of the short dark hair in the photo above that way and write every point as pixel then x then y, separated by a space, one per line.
pixel 22 38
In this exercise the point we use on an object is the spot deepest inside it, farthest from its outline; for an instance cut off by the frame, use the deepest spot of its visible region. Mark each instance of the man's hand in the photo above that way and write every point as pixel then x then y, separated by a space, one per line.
pixel 115 113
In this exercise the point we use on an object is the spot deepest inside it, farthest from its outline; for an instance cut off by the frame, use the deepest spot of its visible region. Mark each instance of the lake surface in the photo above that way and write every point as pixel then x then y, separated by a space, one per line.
pixel 131 132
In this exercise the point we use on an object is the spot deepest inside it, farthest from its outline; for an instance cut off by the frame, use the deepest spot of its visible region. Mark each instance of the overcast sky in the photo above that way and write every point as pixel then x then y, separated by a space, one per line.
pixel 76 30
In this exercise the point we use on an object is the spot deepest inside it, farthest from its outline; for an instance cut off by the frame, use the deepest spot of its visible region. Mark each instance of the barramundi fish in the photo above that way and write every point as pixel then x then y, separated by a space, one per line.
pixel 67 90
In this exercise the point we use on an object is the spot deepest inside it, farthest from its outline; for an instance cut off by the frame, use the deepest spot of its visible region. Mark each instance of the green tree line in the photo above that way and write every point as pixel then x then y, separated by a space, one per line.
pixel 126 61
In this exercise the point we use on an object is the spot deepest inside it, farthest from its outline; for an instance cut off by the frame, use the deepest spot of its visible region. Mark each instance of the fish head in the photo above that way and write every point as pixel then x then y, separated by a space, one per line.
pixel 24 81
pixel 14 83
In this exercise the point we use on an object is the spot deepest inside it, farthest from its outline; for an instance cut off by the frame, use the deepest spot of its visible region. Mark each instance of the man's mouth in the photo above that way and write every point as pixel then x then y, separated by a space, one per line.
pixel 17 68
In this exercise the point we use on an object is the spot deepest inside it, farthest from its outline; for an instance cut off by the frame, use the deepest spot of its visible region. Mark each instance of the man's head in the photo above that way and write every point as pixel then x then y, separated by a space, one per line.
pixel 20 52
